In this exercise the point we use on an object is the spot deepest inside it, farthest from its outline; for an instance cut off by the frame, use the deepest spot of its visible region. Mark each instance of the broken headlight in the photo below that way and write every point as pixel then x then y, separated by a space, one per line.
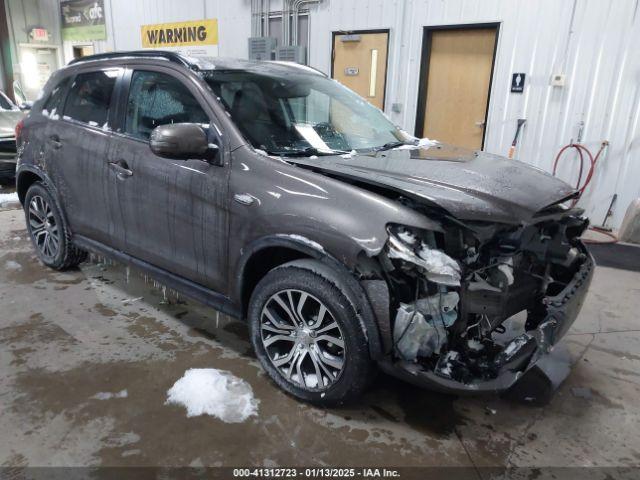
pixel 420 251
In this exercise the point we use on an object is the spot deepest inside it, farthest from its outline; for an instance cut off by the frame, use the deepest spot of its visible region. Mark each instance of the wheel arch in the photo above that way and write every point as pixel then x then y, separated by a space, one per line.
pixel 25 179
pixel 271 252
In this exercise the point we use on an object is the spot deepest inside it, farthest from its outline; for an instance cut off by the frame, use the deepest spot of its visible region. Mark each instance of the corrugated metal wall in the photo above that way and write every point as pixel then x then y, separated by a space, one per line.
pixel 594 42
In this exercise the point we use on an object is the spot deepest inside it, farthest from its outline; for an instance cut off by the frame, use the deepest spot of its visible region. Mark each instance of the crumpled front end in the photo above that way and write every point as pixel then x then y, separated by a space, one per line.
pixel 452 292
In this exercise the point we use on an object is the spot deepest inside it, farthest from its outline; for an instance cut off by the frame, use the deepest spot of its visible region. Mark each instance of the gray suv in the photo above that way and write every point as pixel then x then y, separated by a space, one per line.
pixel 274 194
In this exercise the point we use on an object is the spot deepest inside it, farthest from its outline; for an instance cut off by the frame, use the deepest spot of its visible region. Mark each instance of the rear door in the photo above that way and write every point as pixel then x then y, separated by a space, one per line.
pixel 175 211
pixel 77 150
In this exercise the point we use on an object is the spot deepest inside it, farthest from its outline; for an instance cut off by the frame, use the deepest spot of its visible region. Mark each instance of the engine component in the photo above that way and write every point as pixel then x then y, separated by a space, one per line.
pixel 421 327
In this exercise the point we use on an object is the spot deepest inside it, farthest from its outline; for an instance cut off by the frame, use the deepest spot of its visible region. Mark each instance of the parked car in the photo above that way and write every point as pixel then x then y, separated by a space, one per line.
pixel 10 115
pixel 276 195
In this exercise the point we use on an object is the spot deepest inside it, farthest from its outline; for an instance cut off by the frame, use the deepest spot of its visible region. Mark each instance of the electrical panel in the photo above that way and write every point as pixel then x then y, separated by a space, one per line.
pixel 261 48
pixel 296 54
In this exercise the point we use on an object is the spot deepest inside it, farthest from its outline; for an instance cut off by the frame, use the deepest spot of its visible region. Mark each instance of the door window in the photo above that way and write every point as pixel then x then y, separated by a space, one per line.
pixel 56 96
pixel 90 97
pixel 159 99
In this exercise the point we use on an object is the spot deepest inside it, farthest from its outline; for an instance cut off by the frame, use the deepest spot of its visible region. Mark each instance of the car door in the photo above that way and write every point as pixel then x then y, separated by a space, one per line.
pixel 175 211
pixel 77 144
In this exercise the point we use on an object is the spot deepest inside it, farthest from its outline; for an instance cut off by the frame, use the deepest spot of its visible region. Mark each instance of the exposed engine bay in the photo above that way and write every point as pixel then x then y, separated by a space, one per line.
pixel 451 292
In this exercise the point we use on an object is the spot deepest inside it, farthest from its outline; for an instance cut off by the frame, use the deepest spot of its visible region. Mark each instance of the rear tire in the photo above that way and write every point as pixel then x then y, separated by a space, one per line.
pixel 308 337
pixel 48 230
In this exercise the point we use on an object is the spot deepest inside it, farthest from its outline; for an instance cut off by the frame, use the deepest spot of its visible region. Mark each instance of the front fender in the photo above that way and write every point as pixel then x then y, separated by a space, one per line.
pixel 331 269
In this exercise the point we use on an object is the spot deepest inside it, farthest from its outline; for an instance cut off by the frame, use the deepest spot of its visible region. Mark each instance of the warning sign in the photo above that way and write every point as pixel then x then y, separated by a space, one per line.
pixel 198 33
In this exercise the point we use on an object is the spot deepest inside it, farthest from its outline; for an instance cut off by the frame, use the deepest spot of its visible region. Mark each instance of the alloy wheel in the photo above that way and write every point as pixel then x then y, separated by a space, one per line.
pixel 43 227
pixel 302 339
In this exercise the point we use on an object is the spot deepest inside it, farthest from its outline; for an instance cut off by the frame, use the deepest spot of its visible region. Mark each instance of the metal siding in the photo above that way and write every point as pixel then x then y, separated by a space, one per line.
pixel 590 41
pixel 593 42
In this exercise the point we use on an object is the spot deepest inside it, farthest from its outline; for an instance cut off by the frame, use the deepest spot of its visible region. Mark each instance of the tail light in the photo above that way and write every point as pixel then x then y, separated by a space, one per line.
pixel 19 127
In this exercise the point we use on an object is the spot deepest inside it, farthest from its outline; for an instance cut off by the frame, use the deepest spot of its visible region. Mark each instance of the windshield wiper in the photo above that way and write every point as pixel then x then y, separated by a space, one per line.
pixel 390 145
pixel 305 152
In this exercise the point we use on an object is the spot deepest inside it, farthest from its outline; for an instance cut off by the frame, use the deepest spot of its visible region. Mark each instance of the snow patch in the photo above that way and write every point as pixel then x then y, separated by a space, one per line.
pixel 8 198
pixel 12 265
pixel 208 391
pixel 421 143
pixel 110 395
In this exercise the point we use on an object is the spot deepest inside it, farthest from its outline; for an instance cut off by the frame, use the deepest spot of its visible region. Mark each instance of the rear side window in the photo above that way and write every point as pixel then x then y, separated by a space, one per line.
pixel 52 105
pixel 90 96
pixel 159 99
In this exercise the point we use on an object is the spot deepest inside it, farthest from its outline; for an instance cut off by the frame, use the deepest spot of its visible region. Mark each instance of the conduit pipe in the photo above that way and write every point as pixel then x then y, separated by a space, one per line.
pixel 296 13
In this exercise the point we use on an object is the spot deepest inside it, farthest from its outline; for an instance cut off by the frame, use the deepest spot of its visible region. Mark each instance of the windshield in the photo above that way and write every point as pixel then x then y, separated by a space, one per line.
pixel 5 103
pixel 301 113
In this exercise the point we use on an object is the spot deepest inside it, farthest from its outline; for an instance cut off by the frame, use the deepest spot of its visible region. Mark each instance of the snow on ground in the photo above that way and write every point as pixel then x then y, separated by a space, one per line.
pixel 208 391
pixel 8 198
pixel 109 395
pixel 12 265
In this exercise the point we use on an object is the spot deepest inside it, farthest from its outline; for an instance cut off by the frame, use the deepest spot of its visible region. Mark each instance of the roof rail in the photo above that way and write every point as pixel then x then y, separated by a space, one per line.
pixel 171 56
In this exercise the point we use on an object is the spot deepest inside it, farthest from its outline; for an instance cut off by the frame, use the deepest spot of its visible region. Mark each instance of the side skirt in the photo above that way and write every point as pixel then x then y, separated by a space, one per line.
pixel 190 289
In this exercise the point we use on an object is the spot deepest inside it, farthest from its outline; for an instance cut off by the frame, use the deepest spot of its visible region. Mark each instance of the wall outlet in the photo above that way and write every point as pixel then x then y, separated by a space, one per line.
pixel 558 79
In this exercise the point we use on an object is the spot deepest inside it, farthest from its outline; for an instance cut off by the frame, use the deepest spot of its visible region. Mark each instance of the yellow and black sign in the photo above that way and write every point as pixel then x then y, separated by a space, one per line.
pixel 181 34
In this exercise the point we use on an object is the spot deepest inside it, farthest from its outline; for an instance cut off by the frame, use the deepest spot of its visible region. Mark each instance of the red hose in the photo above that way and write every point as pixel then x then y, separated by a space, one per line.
pixel 580 149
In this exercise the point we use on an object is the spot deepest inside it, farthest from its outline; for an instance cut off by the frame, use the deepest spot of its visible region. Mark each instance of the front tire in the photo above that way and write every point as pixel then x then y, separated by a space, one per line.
pixel 307 336
pixel 48 231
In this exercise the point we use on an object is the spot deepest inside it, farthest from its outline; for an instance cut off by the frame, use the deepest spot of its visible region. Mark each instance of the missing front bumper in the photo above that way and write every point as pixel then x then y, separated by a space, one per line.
pixel 519 354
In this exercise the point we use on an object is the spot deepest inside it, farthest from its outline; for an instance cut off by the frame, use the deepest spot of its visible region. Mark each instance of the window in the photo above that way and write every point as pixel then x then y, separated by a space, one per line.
pixel 159 99
pixel 90 96
pixel 288 113
pixel 56 96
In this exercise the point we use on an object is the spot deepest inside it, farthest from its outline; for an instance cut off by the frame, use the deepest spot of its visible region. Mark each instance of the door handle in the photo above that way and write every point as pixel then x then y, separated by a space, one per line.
pixel 55 141
pixel 121 168
pixel 243 198
pixel 481 123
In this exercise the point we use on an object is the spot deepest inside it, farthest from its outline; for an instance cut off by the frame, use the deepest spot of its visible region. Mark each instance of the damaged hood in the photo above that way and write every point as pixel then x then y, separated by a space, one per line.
pixel 469 185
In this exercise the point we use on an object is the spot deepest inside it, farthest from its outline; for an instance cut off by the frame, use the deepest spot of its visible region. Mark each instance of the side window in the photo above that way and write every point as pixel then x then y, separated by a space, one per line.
pixel 52 105
pixel 158 99
pixel 90 96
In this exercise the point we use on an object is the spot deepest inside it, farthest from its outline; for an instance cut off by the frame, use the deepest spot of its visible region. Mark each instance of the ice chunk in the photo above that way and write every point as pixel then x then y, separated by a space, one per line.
pixel 8 198
pixel 208 391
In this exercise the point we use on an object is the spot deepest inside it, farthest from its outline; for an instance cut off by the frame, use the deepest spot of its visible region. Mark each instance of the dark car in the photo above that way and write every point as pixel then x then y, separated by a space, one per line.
pixel 10 115
pixel 276 195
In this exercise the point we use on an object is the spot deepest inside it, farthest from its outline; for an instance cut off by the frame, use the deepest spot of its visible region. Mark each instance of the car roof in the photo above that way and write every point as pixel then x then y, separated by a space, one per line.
pixel 198 63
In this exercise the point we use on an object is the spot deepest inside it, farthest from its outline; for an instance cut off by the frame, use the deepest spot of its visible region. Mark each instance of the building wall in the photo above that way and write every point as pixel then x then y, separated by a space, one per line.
pixel 124 18
pixel 22 16
pixel 593 42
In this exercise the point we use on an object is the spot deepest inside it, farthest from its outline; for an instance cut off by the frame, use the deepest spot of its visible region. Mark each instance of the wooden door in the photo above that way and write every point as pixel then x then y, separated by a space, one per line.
pixel 459 64
pixel 360 63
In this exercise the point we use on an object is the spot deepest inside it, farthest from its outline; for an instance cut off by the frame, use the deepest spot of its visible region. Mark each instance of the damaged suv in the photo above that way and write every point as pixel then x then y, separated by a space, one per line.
pixel 274 194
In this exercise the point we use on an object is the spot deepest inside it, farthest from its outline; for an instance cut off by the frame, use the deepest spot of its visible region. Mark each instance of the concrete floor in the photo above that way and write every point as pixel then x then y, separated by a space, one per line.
pixel 66 336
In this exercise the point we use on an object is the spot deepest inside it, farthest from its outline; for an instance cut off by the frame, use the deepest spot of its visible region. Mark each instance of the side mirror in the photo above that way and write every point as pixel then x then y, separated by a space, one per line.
pixel 25 106
pixel 183 141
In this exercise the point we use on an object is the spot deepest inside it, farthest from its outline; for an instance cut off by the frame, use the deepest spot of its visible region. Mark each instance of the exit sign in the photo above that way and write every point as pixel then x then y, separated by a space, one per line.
pixel 39 35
